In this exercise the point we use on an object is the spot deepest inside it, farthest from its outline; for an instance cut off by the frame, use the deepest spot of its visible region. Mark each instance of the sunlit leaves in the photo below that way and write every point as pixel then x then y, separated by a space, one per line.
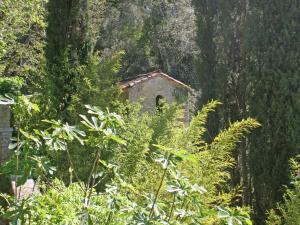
pixel 197 127
pixel 183 183
pixel 6 100
pixel 234 216
pixel 65 132
pixel 21 36
pixel 104 123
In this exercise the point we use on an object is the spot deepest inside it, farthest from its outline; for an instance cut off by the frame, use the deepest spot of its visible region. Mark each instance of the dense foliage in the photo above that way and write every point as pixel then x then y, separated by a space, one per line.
pixel 172 175
pixel 288 212
pixel 22 35
pixel 274 73
pixel 68 52
pixel 10 86
pixel 57 57
pixel 154 35
pixel 249 59
pixel 220 65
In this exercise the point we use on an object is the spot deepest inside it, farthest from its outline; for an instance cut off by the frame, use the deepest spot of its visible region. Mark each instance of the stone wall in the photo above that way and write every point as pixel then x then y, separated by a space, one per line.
pixel 159 86
pixel 5 131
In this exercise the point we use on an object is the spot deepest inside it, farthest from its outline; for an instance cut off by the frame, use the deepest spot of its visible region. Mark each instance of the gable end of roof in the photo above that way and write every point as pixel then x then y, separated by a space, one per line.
pixel 130 82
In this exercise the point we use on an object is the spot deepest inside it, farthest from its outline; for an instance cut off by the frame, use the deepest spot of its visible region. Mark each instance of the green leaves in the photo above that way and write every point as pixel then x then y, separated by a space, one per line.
pixel 93 126
pixel 235 216
pixel 64 132
pixel 172 155
pixel 104 123
pixel 181 186
pixel 21 38
pixel 197 127
pixel 170 185
pixel 6 100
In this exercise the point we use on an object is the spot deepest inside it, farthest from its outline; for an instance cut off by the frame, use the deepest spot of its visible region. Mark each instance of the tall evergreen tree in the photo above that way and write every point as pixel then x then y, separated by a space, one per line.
pixel 207 80
pixel 274 74
pixel 221 70
pixel 68 47
pixel 230 71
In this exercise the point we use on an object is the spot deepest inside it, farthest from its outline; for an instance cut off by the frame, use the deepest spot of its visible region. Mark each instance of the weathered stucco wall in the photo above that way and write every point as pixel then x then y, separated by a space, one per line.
pixel 5 131
pixel 159 86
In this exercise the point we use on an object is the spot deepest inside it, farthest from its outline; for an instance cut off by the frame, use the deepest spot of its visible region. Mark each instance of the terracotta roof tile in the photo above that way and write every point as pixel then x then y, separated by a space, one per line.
pixel 130 82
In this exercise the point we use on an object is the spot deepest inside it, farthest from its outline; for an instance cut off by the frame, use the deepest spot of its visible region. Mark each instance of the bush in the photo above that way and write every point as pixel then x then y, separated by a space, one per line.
pixel 10 85
pixel 288 213
pixel 142 169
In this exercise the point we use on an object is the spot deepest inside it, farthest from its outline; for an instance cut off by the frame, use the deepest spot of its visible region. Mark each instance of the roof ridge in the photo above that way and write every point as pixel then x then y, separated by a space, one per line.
pixel 129 82
pixel 141 75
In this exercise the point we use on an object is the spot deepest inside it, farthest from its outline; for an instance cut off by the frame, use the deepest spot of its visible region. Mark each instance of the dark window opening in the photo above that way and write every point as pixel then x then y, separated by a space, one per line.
pixel 159 102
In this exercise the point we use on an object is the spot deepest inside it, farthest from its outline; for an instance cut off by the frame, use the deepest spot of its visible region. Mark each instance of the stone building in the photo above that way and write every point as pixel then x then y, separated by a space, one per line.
pixel 5 131
pixel 155 86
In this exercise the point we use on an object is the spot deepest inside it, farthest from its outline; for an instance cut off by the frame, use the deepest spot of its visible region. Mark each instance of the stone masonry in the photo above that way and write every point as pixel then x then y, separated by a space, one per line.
pixel 151 86
pixel 5 131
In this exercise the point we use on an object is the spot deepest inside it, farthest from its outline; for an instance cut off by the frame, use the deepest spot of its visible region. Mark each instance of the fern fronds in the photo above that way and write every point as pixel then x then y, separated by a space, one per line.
pixel 197 126
pixel 227 140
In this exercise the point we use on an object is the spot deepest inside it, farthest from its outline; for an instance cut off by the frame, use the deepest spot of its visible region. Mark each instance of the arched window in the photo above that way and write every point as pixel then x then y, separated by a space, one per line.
pixel 159 102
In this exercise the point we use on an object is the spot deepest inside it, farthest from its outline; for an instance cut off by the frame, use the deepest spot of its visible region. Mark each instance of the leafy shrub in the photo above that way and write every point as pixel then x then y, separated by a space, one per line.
pixel 288 213
pixel 10 85
pixel 143 169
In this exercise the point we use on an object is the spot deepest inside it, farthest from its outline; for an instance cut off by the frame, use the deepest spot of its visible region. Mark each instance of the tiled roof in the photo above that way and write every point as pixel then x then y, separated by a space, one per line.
pixel 130 82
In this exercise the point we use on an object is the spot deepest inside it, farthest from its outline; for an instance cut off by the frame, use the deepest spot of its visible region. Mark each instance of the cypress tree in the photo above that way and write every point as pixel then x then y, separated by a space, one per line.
pixel 230 70
pixel 68 47
pixel 207 81
pixel 220 69
pixel 274 74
